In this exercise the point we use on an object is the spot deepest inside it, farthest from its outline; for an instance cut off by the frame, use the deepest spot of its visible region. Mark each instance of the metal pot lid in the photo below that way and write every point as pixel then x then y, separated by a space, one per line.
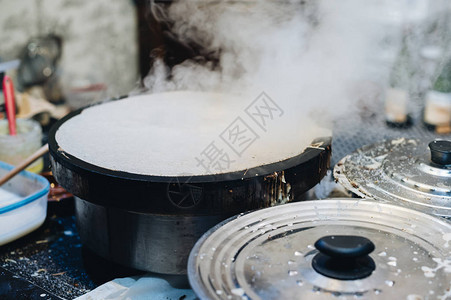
pixel 410 172
pixel 395 253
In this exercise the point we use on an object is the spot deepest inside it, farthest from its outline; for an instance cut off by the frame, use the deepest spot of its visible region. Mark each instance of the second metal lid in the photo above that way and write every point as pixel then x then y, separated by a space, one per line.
pixel 336 249
pixel 409 172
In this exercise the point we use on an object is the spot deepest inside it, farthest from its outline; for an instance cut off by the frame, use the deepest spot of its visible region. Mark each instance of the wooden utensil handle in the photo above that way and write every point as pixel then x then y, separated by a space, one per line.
pixel 28 161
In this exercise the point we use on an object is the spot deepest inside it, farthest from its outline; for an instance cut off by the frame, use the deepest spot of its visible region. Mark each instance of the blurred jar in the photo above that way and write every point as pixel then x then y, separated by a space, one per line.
pixel 397 98
pixel 16 148
pixel 437 110
pixel 396 108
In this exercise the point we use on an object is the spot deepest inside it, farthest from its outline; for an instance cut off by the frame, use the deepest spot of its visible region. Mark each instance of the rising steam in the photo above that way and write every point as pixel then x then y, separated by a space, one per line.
pixel 310 54
pixel 317 60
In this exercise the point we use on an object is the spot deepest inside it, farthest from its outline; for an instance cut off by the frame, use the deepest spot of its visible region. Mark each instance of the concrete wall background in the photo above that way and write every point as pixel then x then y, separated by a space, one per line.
pixel 99 37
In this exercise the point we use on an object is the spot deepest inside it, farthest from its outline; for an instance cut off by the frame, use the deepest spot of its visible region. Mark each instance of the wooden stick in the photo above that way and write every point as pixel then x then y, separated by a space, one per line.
pixel 28 161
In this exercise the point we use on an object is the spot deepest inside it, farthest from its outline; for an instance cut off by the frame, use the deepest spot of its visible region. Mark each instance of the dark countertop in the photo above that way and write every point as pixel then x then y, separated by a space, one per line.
pixel 52 261
pixel 14 287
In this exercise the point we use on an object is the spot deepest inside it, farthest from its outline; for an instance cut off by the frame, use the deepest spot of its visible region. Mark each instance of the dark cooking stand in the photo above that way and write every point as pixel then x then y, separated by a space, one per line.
pixel 51 262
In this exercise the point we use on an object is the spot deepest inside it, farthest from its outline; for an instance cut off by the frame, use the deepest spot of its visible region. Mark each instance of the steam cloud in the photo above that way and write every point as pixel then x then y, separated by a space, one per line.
pixel 316 59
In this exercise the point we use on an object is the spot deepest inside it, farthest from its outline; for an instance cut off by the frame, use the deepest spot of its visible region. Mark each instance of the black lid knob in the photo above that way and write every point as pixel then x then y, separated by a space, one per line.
pixel 440 152
pixel 344 246
pixel 344 257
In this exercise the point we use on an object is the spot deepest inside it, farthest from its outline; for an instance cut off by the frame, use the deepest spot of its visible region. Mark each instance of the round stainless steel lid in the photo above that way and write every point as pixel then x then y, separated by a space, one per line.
pixel 403 171
pixel 268 254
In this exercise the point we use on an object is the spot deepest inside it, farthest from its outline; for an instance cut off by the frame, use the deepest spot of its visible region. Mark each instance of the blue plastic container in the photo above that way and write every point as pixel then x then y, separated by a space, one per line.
pixel 23 204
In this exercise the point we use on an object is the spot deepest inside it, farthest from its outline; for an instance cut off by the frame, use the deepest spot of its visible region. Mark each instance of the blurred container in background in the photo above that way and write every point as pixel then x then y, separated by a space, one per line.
pixel 80 92
pixel 437 110
pixel 397 110
pixel 15 148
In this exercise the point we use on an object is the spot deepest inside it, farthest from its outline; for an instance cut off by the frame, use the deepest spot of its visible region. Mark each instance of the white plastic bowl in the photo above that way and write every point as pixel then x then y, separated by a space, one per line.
pixel 28 211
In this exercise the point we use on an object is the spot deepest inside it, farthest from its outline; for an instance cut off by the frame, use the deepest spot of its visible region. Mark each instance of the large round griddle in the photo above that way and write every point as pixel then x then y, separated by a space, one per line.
pixel 159 218
pixel 203 194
